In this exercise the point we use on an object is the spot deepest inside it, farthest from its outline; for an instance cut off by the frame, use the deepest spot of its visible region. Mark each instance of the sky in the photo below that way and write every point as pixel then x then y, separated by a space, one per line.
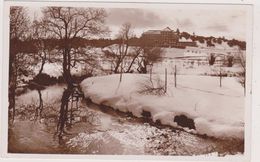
pixel 229 21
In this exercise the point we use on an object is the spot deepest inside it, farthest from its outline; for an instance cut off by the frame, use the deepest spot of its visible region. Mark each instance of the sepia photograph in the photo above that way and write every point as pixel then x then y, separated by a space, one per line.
pixel 120 79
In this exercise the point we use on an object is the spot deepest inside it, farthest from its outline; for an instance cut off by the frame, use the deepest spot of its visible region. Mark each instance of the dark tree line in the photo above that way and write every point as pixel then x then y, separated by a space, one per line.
pixel 211 40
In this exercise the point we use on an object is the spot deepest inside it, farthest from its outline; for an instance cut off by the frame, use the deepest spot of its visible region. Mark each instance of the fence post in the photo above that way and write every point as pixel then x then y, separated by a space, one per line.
pixel 220 77
pixel 121 72
pixel 151 68
pixel 175 76
pixel 165 88
pixel 120 79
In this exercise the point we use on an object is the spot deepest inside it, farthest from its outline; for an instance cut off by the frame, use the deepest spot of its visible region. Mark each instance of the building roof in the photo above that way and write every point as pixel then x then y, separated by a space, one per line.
pixel 167 29
pixel 157 31
pixel 152 32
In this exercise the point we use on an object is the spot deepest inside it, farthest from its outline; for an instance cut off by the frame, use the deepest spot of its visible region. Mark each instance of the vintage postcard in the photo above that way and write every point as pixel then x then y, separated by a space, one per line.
pixel 165 80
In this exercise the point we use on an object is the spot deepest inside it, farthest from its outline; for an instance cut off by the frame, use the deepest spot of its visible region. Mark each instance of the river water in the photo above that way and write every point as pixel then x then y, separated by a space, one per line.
pixel 98 129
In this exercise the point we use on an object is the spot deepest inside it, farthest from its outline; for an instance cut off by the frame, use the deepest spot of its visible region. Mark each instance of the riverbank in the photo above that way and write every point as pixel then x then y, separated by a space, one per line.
pixel 102 130
pixel 197 104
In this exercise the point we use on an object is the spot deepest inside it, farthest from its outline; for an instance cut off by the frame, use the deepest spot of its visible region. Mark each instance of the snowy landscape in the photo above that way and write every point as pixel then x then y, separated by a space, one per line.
pixel 80 85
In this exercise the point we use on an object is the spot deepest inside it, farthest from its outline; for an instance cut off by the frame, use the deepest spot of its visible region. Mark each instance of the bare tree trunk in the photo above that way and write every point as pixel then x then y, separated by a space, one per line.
pixel 131 64
pixel 12 103
pixel 66 68
pixel 121 72
pixel 117 65
pixel 145 66
pixel 43 63
pixel 12 87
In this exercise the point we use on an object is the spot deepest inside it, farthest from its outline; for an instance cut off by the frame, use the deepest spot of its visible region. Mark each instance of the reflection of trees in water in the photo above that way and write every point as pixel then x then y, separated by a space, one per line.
pixel 70 96
pixel 57 117
pixel 63 115
pixel 39 108
pixel 33 111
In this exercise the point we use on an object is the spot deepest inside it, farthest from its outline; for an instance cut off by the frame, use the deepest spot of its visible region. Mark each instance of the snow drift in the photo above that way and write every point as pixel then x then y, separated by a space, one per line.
pixel 214 111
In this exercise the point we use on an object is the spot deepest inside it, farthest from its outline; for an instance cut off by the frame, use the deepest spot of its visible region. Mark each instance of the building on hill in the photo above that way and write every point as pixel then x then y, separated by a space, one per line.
pixel 165 38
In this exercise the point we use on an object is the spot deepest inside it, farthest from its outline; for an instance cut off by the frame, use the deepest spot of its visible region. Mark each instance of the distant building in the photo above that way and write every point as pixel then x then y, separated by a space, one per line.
pixel 165 38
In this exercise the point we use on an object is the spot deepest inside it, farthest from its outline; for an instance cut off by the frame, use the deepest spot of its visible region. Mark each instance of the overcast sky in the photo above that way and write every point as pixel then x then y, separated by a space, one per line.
pixel 215 20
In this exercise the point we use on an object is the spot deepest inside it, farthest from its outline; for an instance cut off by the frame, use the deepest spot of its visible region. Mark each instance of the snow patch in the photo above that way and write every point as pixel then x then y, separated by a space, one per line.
pixel 199 98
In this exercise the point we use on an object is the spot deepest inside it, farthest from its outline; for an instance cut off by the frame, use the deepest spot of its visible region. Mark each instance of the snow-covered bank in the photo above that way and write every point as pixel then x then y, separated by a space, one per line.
pixel 216 111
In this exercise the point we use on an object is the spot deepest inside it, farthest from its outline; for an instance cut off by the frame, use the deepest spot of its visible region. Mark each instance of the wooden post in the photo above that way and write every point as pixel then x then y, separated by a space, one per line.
pixel 121 72
pixel 150 72
pixel 220 77
pixel 175 76
pixel 120 79
pixel 165 88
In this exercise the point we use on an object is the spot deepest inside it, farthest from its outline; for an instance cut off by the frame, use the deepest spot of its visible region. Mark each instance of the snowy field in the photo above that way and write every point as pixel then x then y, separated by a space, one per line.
pixel 216 111
pixel 187 62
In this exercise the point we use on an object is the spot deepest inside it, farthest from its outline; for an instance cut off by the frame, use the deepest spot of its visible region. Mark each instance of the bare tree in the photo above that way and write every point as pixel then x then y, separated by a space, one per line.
pixel 137 51
pixel 19 23
pixel 67 24
pixel 118 52
pixel 41 43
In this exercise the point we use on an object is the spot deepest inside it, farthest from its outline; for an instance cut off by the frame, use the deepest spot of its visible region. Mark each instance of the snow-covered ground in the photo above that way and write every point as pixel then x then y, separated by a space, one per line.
pixel 192 60
pixel 186 68
pixel 55 69
pixel 216 111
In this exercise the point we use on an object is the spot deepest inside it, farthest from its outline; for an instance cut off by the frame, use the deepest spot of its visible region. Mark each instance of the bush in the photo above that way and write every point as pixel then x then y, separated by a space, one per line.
pixel 230 61
pixel 149 88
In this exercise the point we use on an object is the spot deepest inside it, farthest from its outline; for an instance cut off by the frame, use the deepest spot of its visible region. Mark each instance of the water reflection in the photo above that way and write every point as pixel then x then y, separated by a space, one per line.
pixel 95 129
pixel 39 108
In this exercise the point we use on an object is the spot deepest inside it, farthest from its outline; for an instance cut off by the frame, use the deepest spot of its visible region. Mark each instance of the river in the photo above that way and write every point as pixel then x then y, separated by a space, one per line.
pixel 96 129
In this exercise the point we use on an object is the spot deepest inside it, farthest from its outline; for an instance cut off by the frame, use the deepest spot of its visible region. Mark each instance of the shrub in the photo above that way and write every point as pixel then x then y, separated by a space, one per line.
pixel 149 88
pixel 230 60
